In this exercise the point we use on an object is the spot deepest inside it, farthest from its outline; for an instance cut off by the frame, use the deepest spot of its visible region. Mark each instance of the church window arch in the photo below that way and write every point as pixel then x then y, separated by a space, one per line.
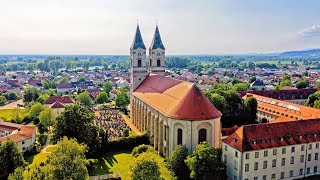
pixel 179 136
pixel 158 63
pixel 202 135
pixel 139 63
pixel 150 62
pixel 139 54
pixel 158 54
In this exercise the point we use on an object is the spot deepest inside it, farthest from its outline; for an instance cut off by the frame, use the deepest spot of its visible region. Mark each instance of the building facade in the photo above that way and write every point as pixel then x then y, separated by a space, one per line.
pixel 285 150
pixel 172 111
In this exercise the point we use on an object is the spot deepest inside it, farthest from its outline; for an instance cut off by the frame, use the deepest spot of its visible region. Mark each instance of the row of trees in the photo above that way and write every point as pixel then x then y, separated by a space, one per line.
pixel 203 163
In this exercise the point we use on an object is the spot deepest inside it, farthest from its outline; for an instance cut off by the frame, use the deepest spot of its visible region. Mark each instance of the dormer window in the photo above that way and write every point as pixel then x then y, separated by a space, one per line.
pixel 281 138
pixel 307 135
pixel 290 137
pixel 254 142
pixel 234 140
pixel 272 139
pixel 262 140
pixel 299 136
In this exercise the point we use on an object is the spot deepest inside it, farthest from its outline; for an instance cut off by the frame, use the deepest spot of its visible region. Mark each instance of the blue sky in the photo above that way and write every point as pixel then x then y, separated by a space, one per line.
pixel 187 27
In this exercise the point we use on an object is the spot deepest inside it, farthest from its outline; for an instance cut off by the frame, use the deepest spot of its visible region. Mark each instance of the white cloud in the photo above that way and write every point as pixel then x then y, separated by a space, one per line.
pixel 313 31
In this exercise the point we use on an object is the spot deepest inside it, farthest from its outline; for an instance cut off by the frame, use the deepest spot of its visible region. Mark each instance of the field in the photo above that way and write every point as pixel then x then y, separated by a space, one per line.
pixel 8 114
pixel 120 163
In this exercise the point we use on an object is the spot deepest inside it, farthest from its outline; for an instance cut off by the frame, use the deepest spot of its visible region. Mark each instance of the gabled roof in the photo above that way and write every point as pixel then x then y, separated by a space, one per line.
pixel 137 40
pixel 64 85
pixel 270 135
pixel 57 105
pixel 156 41
pixel 24 132
pixel 176 99
pixel 62 99
pixel 283 94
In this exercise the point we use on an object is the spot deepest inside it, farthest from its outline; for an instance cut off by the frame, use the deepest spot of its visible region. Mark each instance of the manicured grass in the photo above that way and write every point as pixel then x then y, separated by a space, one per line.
pixel 37 159
pixel 8 114
pixel 40 157
pixel 120 163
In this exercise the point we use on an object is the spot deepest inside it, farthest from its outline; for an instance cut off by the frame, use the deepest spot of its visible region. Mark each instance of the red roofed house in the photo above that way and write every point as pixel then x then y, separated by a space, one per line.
pixel 284 150
pixel 24 136
pixel 57 104
pixel 173 111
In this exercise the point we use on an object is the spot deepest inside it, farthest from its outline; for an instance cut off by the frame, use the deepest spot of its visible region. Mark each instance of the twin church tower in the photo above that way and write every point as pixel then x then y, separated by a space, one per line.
pixel 139 69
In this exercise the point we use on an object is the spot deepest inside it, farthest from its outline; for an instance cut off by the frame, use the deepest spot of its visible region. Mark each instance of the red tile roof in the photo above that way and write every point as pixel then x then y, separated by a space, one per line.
pixel 176 99
pixel 283 94
pixel 25 132
pixel 62 99
pixel 269 135
pixel 57 105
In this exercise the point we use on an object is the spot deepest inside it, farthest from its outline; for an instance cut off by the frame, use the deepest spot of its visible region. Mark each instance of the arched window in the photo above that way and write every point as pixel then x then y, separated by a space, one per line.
pixel 139 54
pixel 158 63
pixel 139 63
pixel 158 54
pixel 202 135
pixel 179 138
pixel 150 62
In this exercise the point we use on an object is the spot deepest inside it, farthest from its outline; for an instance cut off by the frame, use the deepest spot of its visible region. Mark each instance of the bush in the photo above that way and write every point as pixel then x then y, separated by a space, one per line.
pixel 43 139
pixel 145 167
pixel 140 149
pixel 125 132
pixel 176 163
pixel 126 143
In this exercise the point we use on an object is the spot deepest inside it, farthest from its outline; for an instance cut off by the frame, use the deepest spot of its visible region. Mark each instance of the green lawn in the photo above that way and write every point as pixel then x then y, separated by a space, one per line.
pixel 8 114
pixel 120 163
pixel 39 158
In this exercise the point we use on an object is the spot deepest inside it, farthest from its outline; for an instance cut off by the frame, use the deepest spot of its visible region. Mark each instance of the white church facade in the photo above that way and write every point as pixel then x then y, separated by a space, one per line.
pixel 172 111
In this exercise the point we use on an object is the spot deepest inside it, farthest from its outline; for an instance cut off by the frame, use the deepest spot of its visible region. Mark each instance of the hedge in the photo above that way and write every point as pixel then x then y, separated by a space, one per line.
pixel 125 143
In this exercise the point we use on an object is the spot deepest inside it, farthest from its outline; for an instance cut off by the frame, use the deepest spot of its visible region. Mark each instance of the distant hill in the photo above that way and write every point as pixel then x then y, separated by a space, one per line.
pixel 302 53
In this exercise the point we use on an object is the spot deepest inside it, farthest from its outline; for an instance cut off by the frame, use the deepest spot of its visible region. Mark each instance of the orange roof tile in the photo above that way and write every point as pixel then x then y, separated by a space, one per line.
pixel 25 132
pixel 302 112
pixel 269 135
pixel 175 98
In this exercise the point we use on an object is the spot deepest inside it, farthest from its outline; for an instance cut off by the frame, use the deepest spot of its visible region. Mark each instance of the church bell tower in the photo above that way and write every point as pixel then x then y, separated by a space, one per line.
pixel 138 60
pixel 157 54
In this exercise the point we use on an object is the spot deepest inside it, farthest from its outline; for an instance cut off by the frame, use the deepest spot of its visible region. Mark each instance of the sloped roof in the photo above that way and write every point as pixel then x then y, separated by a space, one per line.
pixel 25 132
pixel 293 132
pixel 62 99
pixel 57 105
pixel 291 110
pixel 156 41
pixel 64 85
pixel 137 40
pixel 176 99
pixel 283 94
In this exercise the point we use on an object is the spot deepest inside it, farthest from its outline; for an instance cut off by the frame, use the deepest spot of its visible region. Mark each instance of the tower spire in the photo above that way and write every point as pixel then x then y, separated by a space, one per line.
pixel 156 41
pixel 137 40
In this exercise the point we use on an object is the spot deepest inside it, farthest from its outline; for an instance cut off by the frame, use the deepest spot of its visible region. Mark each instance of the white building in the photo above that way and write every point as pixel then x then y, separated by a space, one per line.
pixel 285 150
pixel 172 111
pixel 24 136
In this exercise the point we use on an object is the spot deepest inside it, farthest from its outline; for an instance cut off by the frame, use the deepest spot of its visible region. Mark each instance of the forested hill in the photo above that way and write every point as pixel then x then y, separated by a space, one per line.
pixel 303 53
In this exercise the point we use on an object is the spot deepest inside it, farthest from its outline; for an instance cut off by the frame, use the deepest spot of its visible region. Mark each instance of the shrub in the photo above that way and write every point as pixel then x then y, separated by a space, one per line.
pixel 176 163
pixel 125 132
pixel 125 143
pixel 145 167
pixel 140 149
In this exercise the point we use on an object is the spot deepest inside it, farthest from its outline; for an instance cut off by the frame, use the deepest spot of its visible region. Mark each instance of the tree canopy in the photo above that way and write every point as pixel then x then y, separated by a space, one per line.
pixel 302 84
pixel 176 163
pixel 84 98
pixel 77 122
pixel 10 158
pixel 145 168
pixel 102 98
pixel 205 163
pixel 122 99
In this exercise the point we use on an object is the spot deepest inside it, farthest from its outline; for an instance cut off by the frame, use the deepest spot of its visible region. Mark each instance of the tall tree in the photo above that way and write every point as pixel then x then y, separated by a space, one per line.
pixel 145 168
pixel 251 106
pixel 84 98
pixel 122 99
pixel 205 163
pixel 10 158
pixel 102 98
pixel 68 161
pixel 77 122
pixel 176 163
pixel 107 87
pixel 36 109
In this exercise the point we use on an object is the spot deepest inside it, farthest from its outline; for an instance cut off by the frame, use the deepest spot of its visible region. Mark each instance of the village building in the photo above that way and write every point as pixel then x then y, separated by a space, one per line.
pixel 284 150
pixel 172 111
pixel 24 136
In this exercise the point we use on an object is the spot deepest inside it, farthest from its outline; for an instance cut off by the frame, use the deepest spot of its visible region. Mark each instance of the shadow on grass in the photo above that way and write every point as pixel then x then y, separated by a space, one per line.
pixel 104 163
pixel 29 158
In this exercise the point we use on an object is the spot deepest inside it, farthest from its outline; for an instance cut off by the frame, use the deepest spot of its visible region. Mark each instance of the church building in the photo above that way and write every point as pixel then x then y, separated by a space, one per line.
pixel 172 111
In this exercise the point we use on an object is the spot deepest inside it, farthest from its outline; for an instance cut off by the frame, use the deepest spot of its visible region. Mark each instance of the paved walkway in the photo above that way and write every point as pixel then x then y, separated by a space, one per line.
pixel 130 124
